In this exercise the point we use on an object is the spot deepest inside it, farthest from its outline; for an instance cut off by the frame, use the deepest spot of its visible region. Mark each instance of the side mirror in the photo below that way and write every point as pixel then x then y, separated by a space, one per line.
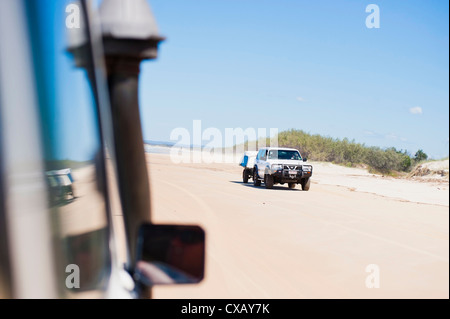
pixel 170 254
pixel 305 160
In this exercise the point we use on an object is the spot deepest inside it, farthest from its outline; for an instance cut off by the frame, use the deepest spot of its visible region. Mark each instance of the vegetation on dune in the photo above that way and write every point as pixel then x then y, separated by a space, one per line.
pixel 350 153
pixel 63 164
pixel 420 156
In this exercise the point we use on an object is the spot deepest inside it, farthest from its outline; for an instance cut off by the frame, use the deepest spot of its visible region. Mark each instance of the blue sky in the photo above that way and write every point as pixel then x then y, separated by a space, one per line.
pixel 310 65
pixel 69 118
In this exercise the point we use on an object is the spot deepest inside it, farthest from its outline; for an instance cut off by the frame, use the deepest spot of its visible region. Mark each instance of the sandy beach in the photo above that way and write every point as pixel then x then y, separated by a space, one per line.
pixel 283 243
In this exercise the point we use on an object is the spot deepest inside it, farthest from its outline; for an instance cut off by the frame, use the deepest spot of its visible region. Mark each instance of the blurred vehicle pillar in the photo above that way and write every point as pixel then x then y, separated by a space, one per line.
pixel 130 35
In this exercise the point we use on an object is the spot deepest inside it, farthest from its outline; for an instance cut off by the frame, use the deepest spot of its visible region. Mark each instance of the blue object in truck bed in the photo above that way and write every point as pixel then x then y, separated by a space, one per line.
pixel 248 159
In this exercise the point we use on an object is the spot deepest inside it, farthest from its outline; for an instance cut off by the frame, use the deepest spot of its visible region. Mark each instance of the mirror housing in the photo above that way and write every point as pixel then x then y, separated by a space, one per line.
pixel 305 160
pixel 170 254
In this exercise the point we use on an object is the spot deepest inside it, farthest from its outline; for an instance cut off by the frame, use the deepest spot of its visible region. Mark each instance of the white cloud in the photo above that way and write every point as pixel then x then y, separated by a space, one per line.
pixel 416 110
pixel 369 133
pixel 388 136
pixel 395 137
pixel 391 136
pixel 300 99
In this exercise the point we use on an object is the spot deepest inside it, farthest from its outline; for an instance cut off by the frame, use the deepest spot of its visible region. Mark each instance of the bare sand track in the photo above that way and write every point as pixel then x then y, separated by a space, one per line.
pixel 285 243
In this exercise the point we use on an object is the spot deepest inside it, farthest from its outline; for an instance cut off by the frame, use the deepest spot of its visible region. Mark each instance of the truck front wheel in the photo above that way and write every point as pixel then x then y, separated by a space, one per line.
pixel 268 181
pixel 306 184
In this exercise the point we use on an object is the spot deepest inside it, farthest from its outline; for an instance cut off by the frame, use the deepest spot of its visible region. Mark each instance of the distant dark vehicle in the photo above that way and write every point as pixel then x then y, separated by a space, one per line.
pixel 61 185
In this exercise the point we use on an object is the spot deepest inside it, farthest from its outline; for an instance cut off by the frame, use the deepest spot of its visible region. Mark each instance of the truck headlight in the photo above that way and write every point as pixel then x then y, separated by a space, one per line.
pixel 276 167
pixel 307 168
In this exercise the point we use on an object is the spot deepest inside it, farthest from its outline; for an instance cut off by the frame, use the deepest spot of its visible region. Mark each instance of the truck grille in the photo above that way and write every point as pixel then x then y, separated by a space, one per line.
pixel 291 167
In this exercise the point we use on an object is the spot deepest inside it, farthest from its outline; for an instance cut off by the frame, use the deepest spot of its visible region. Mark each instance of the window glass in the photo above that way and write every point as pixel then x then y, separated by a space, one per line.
pixel 285 155
pixel 5 273
pixel 72 145
pixel 260 154
pixel 263 155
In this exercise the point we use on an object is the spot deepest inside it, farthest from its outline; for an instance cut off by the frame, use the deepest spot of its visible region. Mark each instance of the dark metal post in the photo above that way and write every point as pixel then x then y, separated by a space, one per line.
pixel 130 36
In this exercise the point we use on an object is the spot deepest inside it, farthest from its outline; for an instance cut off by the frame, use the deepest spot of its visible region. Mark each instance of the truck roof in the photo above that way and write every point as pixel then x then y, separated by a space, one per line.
pixel 279 148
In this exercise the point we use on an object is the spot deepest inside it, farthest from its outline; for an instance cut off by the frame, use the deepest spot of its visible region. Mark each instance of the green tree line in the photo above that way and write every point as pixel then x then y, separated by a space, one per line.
pixel 327 149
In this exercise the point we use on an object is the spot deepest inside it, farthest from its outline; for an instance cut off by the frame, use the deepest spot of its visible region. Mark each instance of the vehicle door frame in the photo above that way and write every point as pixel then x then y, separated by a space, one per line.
pixel 262 163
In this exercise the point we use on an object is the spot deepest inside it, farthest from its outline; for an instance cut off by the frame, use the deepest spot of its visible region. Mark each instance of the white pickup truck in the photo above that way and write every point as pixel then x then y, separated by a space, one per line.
pixel 281 166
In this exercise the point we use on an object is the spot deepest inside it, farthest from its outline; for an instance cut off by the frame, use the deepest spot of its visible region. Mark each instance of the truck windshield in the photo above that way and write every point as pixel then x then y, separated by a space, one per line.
pixel 284 155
